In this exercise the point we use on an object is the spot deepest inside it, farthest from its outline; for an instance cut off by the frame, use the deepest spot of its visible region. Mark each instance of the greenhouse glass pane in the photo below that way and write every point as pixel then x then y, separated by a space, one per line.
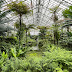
pixel 41 10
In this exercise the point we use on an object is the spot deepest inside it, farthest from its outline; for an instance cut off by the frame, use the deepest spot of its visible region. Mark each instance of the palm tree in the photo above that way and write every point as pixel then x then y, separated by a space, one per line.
pixel 20 9
pixel 55 18
pixel 24 28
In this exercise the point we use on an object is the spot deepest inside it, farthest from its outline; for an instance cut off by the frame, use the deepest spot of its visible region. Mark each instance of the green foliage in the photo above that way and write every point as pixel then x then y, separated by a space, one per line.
pixel 27 28
pixel 66 40
pixel 13 50
pixel 19 8
pixel 67 24
pixel 24 65
pixel 67 13
pixel 17 25
pixel 4 55
pixel 55 26
pixel 12 40
pixel 1 38
pixel 69 34
pixel 56 31
pixel 3 59
pixel 30 26
pixel 43 31
pixel 55 35
pixel 54 59
pixel 41 42
pixel 5 47
pixel 58 59
pixel 24 31
pixel 7 43
pixel 16 52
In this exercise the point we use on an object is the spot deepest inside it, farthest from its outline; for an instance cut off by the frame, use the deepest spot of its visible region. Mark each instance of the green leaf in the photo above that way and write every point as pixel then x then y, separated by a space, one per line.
pixel 4 55
pixel 13 50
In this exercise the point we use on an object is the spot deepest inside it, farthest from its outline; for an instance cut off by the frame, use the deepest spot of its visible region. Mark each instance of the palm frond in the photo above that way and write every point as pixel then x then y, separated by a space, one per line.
pixel 66 25
pixel 3 14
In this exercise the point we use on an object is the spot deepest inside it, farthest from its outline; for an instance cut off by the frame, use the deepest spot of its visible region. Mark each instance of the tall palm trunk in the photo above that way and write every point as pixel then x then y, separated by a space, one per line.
pixel 54 38
pixel 67 29
pixel 57 41
pixel 20 32
pixel 26 37
pixel 55 19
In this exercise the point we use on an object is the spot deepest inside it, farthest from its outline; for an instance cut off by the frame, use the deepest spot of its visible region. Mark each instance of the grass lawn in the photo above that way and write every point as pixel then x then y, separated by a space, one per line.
pixel 34 53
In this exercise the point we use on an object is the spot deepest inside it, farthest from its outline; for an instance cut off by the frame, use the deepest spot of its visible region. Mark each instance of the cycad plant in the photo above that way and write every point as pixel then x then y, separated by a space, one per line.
pixel 20 9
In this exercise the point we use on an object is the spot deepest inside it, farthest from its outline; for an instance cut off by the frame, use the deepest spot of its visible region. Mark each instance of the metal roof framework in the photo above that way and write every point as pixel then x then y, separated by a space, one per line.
pixel 42 15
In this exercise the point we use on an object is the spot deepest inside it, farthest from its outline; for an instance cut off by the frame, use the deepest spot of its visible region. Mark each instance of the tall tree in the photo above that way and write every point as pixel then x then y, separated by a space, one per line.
pixel 55 18
pixel 19 8
pixel 24 29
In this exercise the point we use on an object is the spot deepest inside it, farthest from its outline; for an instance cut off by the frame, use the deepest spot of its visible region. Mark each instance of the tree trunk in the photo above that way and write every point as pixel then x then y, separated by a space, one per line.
pixel 54 38
pixel 55 19
pixel 67 29
pixel 57 41
pixel 20 32
pixel 26 37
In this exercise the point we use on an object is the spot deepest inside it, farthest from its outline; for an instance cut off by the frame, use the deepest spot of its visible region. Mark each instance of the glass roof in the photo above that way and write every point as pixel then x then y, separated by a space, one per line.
pixel 42 15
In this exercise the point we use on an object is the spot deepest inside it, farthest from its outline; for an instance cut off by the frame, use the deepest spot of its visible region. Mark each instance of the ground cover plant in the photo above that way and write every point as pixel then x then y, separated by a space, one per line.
pixel 54 59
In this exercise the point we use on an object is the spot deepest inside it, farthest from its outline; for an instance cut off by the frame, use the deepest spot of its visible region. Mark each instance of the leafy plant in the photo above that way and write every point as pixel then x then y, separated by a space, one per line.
pixel 67 12
pixel 55 18
pixel 43 31
pixel 66 40
pixel 57 59
pixel 54 59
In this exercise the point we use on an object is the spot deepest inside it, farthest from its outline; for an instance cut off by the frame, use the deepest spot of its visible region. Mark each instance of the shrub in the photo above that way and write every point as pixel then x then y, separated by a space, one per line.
pixel 5 47
pixel 66 40
pixel 12 40
pixel 1 38
pixel 54 59
pixel 58 60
